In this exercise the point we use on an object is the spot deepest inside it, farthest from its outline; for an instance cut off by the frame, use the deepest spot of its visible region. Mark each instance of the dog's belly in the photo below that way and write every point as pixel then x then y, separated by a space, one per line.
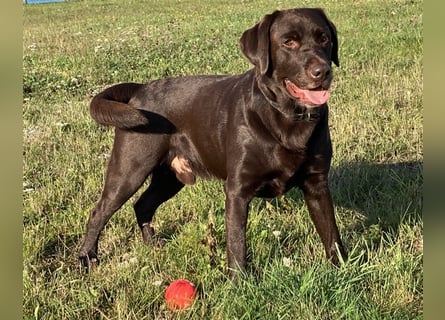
pixel 205 157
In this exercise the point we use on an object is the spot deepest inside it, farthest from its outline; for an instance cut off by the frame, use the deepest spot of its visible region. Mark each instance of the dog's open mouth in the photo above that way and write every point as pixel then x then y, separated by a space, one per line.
pixel 317 96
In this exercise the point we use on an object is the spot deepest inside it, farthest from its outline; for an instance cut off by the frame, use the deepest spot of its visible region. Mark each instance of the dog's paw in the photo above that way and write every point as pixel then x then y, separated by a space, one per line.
pixel 148 233
pixel 338 255
pixel 149 237
pixel 87 263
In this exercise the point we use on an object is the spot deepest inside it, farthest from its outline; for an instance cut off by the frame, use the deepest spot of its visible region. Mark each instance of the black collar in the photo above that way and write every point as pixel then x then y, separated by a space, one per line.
pixel 307 116
pixel 301 115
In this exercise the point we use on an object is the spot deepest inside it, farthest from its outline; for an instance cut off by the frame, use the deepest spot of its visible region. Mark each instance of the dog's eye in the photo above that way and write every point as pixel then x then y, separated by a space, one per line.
pixel 291 43
pixel 324 39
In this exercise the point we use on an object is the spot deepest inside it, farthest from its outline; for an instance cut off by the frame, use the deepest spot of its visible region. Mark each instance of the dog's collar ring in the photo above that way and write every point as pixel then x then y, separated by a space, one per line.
pixel 306 116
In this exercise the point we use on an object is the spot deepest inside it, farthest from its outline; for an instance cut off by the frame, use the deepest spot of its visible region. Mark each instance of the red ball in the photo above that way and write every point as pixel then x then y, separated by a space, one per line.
pixel 180 294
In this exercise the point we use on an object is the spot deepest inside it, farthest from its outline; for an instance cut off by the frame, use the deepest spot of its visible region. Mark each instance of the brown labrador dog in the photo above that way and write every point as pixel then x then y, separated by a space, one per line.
pixel 262 132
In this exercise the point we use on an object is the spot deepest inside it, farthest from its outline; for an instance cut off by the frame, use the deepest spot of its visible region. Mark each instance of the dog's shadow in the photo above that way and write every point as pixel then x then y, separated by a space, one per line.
pixel 375 199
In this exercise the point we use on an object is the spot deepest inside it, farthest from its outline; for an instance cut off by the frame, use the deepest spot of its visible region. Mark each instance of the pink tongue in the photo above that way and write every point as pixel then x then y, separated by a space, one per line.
pixel 316 97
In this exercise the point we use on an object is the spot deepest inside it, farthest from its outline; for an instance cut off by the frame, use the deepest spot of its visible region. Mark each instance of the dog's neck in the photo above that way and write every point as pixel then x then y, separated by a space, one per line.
pixel 287 106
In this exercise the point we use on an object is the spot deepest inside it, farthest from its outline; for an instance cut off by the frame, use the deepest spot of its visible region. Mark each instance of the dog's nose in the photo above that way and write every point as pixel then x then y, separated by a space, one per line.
pixel 319 71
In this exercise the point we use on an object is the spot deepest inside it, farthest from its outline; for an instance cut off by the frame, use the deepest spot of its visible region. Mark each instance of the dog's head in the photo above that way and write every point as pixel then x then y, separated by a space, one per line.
pixel 295 48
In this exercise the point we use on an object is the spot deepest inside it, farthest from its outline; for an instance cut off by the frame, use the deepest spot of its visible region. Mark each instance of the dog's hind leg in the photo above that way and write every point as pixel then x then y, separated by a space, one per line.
pixel 132 160
pixel 164 185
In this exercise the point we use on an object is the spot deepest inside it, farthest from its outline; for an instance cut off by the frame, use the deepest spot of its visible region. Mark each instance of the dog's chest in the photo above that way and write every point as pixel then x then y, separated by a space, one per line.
pixel 280 171
pixel 275 158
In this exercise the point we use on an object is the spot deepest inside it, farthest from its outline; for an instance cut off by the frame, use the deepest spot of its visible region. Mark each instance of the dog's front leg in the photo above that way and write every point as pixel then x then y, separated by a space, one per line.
pixel 321 209
pixel 236 222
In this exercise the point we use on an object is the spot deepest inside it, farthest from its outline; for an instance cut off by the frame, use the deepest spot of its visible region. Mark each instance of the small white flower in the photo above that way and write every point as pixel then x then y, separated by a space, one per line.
pixel 133 260
pixel 287 262
pixel 276 233
pixel 157 283
pixel 62 124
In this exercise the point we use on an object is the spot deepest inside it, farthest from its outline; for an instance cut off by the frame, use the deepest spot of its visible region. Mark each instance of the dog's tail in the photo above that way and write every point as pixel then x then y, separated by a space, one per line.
pixel 110 107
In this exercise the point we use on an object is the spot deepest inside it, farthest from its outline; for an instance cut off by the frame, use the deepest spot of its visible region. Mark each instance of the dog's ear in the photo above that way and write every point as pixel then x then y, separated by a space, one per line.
pixel 334 53
pixel 333 30
pixel 255 43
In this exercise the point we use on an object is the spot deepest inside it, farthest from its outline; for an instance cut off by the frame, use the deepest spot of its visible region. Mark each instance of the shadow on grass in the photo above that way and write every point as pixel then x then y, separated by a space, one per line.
pixel 375 194
pixel 376 200
pixel 384 194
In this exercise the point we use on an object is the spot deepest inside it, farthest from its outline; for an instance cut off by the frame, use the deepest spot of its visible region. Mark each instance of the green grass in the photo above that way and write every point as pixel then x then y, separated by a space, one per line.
pixel 73 50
